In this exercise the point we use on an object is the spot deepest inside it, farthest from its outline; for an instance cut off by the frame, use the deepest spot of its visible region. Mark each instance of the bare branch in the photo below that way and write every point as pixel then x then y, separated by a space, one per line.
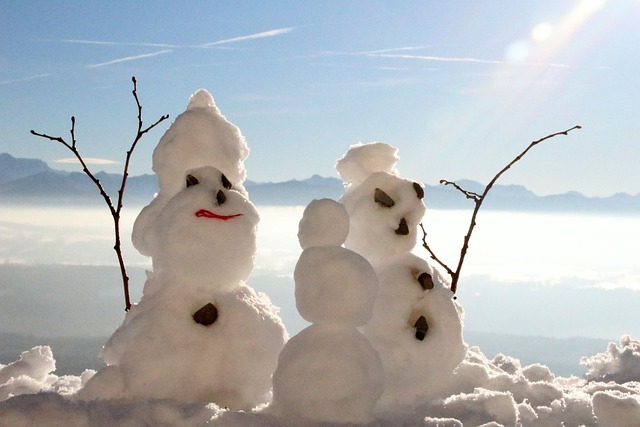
pixel 468 194
pixel 115 210
pixel 478 200
pixel 433 255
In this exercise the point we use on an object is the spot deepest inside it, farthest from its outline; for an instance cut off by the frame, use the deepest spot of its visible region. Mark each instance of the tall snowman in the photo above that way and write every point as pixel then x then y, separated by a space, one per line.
pixel 416 326
pixel 199 333
pixel 329 372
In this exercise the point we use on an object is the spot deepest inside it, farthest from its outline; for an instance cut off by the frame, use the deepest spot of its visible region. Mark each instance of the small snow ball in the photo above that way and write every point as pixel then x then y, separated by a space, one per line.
pixel 201 99
pixel 364 159
pixel 324 222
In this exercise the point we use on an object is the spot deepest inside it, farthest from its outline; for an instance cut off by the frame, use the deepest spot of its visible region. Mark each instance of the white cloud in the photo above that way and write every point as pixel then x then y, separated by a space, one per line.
pixel 87 160
pixel 26 79
pixel 270 33
pixel 130 58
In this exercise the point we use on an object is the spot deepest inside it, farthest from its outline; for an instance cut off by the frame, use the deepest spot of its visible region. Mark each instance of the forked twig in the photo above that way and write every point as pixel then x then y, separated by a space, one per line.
pixel 117 208
pixel 478 199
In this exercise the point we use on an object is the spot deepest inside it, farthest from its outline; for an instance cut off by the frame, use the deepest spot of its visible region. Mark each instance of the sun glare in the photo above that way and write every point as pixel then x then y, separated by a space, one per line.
pixel 542 32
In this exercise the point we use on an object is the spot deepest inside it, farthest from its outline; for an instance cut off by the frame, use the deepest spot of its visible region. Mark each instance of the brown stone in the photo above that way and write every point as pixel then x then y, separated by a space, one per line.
pixel 426 281
pixel 421 328
pixel 206 315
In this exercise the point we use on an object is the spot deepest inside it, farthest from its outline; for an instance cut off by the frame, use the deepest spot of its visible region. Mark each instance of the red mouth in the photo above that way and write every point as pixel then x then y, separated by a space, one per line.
pixel 203 213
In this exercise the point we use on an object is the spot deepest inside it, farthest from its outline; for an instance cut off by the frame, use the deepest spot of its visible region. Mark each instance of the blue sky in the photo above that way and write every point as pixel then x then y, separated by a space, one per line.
pixel 459 87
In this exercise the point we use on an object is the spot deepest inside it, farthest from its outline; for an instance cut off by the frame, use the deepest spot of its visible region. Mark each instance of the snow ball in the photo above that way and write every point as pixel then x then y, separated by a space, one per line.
pixel 620 363
pixel 206 233
pixel 327 374
pixel 416 367
pixel 384 213
pixel 334 285
pixel 201 99
pixel 324 222
pixel 364 159
pixel 162 353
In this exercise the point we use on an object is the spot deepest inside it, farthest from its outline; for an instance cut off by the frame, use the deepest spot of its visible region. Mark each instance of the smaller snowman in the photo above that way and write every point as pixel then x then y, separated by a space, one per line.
pixel 416 326
pixel 329 372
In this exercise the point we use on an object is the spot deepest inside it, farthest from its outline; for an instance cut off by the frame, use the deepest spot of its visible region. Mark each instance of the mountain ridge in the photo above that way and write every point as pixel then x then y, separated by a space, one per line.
pixel 32 181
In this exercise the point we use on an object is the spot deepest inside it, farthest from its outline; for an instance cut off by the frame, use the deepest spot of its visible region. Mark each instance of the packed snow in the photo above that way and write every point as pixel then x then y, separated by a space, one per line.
pixel 335 291
pixel 197 313
pixel 385 346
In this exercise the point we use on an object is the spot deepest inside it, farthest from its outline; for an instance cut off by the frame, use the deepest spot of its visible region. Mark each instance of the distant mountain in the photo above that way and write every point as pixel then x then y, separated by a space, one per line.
pixel 294 192
pixel 31 181
pixel 12 168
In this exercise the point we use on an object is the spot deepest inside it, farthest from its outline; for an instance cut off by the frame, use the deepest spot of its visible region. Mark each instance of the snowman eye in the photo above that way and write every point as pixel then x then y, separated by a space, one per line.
pixel 383 199
pixel 192 180
pixel 225 182
pixel 426 281
pixel 419 190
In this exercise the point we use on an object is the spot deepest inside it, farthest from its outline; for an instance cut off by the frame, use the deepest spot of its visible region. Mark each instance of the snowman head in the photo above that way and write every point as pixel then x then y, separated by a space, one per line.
pixel 206 233
pixel 201 136
pixel 384 209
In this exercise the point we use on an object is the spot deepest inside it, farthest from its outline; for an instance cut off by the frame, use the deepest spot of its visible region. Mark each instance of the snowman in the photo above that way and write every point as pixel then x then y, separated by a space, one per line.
pixel 416 326
pixel 329 372
pixel 199 333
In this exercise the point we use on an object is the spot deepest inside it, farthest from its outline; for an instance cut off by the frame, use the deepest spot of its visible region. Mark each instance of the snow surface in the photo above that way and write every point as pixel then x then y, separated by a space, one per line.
pixel 486 391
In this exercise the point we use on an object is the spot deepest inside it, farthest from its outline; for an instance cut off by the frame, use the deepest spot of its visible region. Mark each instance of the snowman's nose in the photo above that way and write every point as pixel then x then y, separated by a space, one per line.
pixel 220 197
pixel 403 228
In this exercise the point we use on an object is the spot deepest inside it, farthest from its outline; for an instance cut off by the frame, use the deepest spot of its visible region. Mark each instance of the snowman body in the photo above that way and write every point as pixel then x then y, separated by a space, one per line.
pixel 329 372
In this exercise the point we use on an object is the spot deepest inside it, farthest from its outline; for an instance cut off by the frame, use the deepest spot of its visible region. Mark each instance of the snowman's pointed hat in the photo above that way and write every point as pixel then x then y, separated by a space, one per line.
pixel 201 136
pixel 364 159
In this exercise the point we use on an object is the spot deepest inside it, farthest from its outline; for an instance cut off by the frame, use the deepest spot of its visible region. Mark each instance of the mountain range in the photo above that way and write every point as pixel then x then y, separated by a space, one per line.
pixel 32 181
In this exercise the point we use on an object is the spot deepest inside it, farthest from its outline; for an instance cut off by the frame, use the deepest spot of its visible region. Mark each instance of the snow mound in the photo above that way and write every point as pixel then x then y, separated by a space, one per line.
pixel 619 363
pixel 484 394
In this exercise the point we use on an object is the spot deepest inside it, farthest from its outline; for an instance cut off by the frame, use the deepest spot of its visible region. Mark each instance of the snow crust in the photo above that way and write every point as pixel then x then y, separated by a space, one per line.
pixel 484 394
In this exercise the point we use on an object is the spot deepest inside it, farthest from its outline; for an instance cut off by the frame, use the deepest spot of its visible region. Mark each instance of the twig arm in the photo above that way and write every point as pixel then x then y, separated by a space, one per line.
pixel 115 210
pixel 478 199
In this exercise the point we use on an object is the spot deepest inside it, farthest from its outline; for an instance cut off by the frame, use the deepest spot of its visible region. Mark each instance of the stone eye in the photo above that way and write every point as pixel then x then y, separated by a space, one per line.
pixel 419 190
pixel 192 180
pixel 383 199
pixel 426 281
pixel 225 182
